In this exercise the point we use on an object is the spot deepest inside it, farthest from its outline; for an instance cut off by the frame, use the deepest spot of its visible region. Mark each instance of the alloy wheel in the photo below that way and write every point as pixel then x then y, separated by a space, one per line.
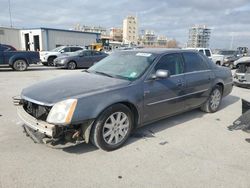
pixel 215 99
pixel 115 128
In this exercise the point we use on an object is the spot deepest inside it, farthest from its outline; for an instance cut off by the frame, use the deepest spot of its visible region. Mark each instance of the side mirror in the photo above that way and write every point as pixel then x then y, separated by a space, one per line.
pixel 62 51
pixel 161 74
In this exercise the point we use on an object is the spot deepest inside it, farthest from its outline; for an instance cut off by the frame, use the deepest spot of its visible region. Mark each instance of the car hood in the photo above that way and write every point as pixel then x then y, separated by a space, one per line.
pixel 77 85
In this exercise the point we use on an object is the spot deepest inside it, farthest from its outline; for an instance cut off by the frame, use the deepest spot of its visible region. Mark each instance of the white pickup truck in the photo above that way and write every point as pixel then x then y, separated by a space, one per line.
pixel 216 58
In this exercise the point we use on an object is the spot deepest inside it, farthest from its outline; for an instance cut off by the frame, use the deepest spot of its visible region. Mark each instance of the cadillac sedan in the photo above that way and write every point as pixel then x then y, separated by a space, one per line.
pixel 122 92
pixel 79 59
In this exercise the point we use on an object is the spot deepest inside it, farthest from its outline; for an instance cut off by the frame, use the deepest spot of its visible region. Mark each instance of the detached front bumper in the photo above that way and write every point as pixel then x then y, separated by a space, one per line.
pixel 52 135
pixel 38 126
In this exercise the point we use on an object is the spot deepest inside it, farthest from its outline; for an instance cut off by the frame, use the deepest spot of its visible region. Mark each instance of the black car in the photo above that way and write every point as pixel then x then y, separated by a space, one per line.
pixel 17 60
pixel 79 59
pixel 124 91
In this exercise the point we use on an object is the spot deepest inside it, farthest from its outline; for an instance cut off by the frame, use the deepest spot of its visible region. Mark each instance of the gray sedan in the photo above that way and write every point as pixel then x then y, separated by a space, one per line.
pixel 122 92
pixel 79 59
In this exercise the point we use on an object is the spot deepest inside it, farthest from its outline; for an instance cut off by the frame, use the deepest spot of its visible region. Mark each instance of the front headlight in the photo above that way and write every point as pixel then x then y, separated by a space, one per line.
pixel 62 112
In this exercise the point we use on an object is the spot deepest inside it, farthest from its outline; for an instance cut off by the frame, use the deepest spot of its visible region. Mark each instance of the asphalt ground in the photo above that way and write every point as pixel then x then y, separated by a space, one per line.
pixel 193 149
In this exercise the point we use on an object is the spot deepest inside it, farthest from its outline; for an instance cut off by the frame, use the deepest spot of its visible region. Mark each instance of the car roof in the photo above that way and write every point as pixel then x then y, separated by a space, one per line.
pixel 161 50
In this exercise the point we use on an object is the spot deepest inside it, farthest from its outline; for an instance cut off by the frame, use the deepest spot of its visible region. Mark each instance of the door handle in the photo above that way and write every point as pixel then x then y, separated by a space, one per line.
pixel 180 83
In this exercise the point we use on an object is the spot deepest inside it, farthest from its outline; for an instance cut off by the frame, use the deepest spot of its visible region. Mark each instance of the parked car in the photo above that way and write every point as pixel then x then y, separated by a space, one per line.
pixel 216 58
pixel 47 57
pixel 242 74
pixel 230 56
pixel 17 60
pixel 79 59
pixel 124 91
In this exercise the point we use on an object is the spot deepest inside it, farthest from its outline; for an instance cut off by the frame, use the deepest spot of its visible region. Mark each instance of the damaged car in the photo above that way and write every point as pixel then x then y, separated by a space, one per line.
pixel 120 93
pixel 242 74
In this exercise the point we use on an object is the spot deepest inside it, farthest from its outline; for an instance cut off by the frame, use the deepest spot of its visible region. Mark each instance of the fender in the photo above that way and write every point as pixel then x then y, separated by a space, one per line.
pixel 16 57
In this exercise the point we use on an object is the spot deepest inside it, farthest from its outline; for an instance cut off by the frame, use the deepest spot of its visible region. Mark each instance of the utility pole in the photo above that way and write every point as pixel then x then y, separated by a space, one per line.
pixel 10 14
pixel 232 41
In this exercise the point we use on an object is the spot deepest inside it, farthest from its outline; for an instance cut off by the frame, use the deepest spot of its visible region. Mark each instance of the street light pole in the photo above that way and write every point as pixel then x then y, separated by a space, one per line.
pixel 10 14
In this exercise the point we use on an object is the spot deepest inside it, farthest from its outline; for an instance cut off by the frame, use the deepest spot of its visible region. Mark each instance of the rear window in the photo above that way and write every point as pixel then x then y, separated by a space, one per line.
pixel 208 54
pixel 194 62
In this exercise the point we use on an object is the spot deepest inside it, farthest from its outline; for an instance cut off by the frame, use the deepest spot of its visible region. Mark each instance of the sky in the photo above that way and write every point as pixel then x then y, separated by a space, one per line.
pixel 228 19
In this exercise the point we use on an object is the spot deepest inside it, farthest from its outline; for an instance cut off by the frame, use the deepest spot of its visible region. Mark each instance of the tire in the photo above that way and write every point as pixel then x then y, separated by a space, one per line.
pixel 71 65
pixel 109 134
pixel 213 102
pixel 20 65
pixel 51 61
pixel 218 63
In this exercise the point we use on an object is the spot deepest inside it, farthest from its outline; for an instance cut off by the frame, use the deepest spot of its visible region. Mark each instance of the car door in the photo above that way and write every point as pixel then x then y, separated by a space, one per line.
pixel 198 78
pixel 85 59
pixel 162 97
pixel 1 55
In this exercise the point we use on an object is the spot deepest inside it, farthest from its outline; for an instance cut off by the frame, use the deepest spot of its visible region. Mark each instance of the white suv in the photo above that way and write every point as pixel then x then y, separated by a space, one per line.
pixel 47 57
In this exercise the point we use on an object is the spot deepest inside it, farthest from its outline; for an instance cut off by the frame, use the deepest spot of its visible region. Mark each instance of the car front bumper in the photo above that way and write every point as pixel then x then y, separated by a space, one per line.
pixel 37 125
pixel 54 136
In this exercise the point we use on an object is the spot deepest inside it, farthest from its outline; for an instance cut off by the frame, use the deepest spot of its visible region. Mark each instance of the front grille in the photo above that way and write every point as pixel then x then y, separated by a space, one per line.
pixel 37 111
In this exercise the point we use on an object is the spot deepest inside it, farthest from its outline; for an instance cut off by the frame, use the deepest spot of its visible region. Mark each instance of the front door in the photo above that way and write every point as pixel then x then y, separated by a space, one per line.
pixel 162 97
pixel 86 60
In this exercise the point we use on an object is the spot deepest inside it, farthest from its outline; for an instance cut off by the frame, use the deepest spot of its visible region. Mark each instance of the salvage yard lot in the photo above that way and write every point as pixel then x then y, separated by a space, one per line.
pixel 193 149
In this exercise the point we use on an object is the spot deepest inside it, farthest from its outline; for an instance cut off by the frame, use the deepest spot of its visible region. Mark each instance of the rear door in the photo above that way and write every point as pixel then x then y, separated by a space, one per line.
pixel 198 78
pixel 162 97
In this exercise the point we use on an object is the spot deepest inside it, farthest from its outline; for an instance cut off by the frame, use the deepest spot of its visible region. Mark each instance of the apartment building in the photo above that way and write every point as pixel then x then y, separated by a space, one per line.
pixel 130 30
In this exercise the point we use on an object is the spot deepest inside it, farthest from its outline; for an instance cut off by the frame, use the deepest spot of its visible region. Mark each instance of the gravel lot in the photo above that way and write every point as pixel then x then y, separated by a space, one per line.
pixel 193 149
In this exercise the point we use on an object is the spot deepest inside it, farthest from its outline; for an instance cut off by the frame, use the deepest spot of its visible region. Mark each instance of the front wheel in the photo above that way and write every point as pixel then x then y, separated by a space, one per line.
pixel 20 65
pixel 213 102
pixel 112 128
pixel 71 65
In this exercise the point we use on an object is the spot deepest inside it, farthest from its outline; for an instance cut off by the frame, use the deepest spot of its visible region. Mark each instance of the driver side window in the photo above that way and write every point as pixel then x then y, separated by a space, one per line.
pixel 171 62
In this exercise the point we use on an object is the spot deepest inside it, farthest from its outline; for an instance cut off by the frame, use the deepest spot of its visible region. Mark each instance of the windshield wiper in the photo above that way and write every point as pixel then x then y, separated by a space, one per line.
pixel 103 73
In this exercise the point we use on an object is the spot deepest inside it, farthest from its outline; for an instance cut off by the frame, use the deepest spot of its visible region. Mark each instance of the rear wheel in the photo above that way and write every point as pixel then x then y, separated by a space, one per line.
pixel 214 100
pixel 51 61
pixel 218 63
pixel 71 65
pixel 20 65
pixel 112 128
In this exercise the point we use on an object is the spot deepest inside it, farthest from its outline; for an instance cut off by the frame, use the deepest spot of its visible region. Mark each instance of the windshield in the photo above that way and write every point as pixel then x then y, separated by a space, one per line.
pixel 125 65
pixel 228 52
pixel 57 49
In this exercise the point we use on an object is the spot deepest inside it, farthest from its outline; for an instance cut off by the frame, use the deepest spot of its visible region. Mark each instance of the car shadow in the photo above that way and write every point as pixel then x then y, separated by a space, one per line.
pixel 80 149
pixel 30 68
pixel 148 131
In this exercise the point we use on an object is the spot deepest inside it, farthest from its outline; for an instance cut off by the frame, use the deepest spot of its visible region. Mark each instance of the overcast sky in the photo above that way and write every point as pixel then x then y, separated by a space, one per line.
pixel 228 19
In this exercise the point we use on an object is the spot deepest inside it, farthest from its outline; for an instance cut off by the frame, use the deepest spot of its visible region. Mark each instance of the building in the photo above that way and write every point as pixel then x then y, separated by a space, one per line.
pixel 10 36
pixel 148 38
pixel 43 39
pixel 199 37
pixel 162 41
pixel 93 29
pixel 130 30
pixel 116 34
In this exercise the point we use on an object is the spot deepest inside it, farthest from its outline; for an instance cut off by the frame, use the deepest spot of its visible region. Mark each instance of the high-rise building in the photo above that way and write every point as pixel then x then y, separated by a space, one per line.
pixel 199 37
pixel 130 30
